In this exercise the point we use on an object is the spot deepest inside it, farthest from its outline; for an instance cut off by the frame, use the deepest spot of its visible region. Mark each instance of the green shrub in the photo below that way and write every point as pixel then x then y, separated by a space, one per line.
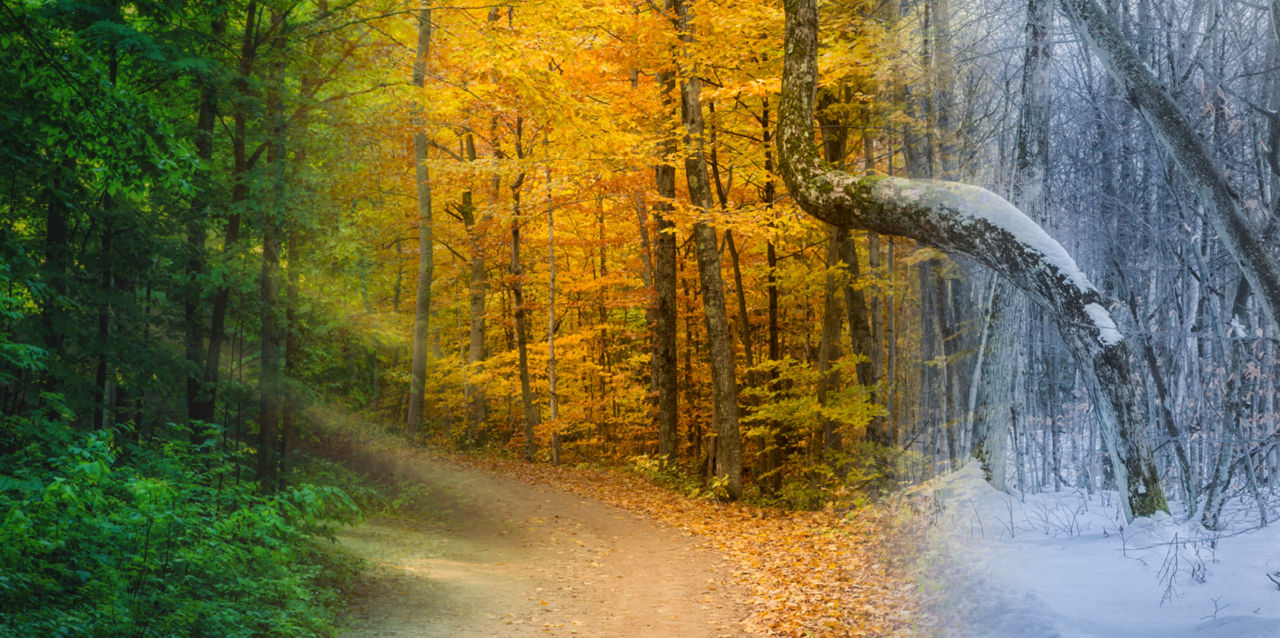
pixel 104 536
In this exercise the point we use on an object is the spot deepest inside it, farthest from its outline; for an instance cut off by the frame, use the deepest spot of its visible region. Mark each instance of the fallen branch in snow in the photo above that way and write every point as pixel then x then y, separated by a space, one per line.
pixel 1275 578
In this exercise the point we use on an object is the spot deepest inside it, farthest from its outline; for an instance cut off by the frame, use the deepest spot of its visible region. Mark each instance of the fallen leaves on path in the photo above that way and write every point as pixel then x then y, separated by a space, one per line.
pixel 810 573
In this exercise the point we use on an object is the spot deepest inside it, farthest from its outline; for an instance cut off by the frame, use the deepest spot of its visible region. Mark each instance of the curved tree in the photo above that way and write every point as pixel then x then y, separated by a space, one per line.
pixel 972 221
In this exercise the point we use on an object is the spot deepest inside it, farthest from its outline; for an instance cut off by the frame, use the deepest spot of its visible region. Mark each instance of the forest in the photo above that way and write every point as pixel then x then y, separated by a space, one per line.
pixel 797 256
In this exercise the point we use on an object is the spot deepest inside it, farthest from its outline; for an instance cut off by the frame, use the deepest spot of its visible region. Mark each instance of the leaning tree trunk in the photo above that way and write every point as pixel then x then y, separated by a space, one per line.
pixel 426 265
pixel 1171 127
pixel 972 221
pixel 728 454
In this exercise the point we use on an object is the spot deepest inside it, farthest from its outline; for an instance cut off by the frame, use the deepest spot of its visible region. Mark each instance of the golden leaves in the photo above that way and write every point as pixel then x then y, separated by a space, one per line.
pixel 809 573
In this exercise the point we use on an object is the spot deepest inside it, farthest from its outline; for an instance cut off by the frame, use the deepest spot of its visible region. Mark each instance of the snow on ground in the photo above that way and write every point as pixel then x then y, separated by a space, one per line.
pixel 1063 564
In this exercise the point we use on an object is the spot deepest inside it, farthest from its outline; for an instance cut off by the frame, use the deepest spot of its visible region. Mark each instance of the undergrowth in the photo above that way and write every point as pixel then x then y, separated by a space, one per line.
pixel 108 535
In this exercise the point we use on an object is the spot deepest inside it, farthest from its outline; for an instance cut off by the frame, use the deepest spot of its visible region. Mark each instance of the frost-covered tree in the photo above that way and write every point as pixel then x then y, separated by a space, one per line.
pixel 1221 203
pixel 972 221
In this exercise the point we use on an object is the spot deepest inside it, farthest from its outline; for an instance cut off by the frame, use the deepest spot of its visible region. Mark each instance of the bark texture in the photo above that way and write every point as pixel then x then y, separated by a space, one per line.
pixel 477 291
pixel 426 265
pixel 1000 364
pixel 664 286
pixel 971 221
pixel 728 452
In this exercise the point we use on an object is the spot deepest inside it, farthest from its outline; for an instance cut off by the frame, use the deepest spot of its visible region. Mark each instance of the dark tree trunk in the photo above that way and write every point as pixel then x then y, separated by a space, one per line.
pixel 531 417
pixel 827 440
pixel 208 396
pixel 191 303
pixel 664 284
pixel 478 288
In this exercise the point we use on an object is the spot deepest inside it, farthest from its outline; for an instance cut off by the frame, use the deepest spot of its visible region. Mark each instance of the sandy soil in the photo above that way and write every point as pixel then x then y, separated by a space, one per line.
pixel 499 557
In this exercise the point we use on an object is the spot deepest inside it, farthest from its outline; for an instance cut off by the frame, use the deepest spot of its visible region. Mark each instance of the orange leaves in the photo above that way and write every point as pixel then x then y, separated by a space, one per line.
pixel 810 573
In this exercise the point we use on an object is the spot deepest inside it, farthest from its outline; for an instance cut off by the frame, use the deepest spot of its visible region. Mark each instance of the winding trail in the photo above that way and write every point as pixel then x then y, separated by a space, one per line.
pixel 496 556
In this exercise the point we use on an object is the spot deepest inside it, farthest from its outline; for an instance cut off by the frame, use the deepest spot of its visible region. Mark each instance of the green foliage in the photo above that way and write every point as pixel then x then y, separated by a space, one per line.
pixel 789 414
pixel 105 536
pixel 669 475
pixel 793 407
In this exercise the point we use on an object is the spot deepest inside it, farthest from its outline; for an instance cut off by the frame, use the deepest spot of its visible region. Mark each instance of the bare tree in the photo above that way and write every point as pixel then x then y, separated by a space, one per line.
pixel 975 222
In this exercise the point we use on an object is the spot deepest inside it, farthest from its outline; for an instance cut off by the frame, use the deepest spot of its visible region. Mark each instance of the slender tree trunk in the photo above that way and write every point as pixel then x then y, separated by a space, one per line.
pixel 531 417
pixel 827 440
pixel 551 303
pixel 664 361
pixel 478 286
pixel 208 399
pixel 728 456
pixel 722 196
pixel 1000 371
pixel 1231 436
pixel 740 294
pixel 193 339
pixel 273 215
pixel 426 246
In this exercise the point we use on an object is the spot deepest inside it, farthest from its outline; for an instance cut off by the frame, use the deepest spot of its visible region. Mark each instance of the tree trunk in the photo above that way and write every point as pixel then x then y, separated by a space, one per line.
pixel 829 345
pixel 1231 435
pixel 728 453
pixel 193 340
pixel 999 371
pixel 1001 362
pixel 664 285
pixel 773 455
pixel 208 398
pixel 531 417
pixel 270 383
pixel 426 257
pixel 975 222
pixel 478 285
pixel 551 302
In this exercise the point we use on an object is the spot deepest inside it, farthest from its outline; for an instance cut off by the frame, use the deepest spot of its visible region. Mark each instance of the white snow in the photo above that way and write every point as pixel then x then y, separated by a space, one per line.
pixel 979 203
pixel 1064 564
pixel 1107 332
pixel 1237 328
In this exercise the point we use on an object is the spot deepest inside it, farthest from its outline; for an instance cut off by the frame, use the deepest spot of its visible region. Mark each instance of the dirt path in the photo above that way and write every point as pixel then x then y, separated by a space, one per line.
pixel 500 557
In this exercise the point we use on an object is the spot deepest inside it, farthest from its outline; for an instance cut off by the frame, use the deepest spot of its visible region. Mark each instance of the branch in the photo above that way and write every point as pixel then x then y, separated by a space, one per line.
pixel 972 221
pixel 1171 127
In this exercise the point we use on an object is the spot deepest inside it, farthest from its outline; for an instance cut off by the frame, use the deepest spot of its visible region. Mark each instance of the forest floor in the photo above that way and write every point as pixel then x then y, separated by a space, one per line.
pixel 501 548
pixel 1066 565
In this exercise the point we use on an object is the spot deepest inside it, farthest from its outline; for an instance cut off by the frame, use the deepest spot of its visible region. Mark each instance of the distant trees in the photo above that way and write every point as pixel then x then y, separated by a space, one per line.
pixel 156 161
pixel 215 221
